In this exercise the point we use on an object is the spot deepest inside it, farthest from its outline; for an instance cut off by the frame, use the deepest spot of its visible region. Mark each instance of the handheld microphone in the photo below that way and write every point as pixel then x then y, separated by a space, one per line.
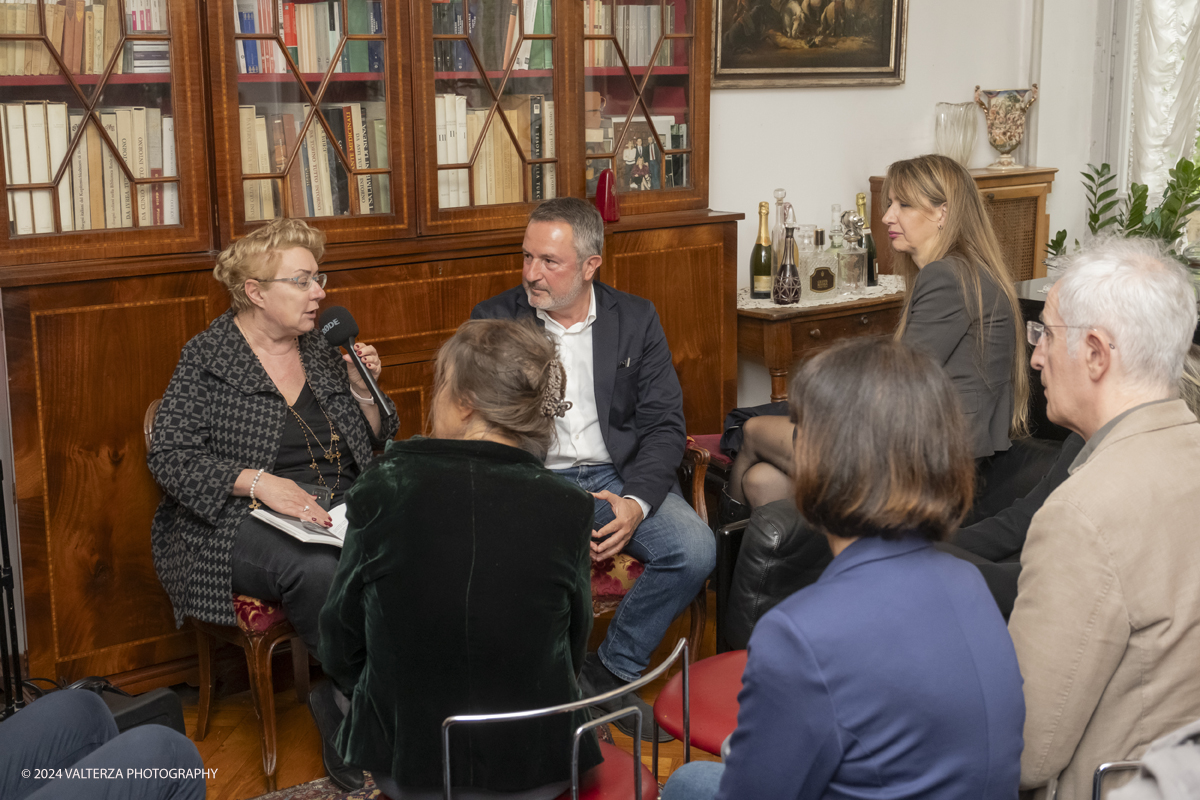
pixel 339 329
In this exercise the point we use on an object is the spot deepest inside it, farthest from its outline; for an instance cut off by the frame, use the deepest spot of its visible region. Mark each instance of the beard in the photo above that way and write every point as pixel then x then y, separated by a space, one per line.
pixel 540 295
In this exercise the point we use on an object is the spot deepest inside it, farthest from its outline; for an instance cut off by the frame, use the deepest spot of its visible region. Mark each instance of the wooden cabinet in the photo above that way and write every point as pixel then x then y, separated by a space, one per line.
pixel 94 320
pixel 780 337
pixel 1015 200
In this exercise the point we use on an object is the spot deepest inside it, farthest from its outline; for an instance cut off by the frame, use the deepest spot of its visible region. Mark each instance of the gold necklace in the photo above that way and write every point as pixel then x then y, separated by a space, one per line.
pixel 333 453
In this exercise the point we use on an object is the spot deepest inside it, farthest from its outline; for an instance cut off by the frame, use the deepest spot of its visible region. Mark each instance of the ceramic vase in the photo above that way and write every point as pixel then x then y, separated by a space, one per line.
pixel 954 131
pixel 1004 110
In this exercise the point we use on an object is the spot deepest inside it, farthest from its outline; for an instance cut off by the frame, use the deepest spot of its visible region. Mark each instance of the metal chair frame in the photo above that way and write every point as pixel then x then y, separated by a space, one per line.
pixel 1104 769
pixel 680 648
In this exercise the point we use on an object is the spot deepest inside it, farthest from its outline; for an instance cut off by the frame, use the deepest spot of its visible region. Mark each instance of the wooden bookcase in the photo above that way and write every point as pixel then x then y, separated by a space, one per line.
pixel 93 321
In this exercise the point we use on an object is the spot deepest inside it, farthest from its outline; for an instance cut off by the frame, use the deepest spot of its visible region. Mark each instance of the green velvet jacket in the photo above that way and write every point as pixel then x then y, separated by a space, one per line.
pixel 463 587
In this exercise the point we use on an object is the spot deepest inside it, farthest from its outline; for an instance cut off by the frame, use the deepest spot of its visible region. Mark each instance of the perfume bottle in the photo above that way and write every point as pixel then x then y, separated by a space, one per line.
pixel 852 258
pixel 777 229
pixel 821 267
pixel 785 290
pixel 836 232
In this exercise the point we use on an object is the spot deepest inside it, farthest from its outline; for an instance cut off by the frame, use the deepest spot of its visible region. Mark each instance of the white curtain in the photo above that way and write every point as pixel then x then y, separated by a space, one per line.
pixel 1166 88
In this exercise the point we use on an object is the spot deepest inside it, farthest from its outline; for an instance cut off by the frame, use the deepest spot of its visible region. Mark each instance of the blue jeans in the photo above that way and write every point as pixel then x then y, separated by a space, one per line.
pixel 74 730
pixel 679 552
pixel 698 780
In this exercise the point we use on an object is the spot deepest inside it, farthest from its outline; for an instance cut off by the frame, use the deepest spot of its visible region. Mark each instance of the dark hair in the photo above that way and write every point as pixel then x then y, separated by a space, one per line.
pixel 881 444
pixel 509 374
pixel 927 182
pixel 587 226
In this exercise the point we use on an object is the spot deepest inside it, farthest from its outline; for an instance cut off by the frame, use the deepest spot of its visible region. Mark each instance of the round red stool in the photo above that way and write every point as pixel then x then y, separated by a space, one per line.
pixel 715 683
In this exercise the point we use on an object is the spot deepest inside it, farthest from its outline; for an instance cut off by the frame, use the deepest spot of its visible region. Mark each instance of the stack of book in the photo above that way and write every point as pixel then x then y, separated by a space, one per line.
pixel 311 32
pixel 94 192
pixel 499 171
pixel 318 184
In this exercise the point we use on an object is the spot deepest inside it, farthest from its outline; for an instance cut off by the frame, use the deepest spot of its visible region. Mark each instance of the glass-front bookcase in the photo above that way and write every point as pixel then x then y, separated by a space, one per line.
pixel 306 123
pixel 637 62
pixel 489 88
pixel 93 128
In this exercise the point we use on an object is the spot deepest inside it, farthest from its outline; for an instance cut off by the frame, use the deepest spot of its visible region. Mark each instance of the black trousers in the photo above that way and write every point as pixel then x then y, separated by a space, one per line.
pixel 272 566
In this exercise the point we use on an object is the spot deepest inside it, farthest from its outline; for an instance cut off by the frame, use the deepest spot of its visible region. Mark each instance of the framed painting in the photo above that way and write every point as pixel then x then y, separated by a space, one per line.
pixel 778 43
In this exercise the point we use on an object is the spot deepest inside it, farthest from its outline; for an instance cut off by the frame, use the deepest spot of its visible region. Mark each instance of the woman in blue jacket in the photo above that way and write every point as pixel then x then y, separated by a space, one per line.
pixel 893 676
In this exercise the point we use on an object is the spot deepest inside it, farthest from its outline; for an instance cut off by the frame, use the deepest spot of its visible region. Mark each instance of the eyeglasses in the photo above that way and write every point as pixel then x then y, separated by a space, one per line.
pixel 301 281
pixel 1035 330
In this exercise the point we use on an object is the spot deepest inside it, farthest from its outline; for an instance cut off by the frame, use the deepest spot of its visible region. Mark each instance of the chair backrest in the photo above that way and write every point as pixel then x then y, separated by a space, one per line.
pixel 148 420
pixel 565 708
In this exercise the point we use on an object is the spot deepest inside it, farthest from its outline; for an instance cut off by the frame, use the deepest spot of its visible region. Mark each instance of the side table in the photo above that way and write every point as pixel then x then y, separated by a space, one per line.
pixel 780 337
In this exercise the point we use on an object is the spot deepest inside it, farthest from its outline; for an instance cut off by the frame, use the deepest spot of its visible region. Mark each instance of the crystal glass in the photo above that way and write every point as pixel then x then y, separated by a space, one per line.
pixel 954 130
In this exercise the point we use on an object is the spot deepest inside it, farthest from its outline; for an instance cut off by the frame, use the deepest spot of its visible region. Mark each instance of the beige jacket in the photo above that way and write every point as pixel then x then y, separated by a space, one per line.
pixel 1107 619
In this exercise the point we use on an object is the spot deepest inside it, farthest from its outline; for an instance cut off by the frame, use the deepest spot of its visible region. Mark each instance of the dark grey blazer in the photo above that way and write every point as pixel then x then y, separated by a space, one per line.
pixel 638 397
pixel 944 323
pixel 221 414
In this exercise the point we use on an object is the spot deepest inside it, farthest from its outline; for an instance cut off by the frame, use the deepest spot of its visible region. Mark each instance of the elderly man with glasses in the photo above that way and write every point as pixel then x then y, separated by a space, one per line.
pixel 1107 617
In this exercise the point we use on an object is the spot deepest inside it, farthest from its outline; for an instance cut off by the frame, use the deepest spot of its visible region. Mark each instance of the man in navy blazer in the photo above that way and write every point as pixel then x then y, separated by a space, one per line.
pixel 622 438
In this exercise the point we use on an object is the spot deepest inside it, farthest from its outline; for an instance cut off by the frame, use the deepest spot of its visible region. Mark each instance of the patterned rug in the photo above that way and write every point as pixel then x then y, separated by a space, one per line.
pixel 323 789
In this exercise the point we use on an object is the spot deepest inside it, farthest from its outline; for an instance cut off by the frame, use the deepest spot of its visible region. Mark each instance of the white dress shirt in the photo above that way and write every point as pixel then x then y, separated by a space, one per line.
pixel 579 437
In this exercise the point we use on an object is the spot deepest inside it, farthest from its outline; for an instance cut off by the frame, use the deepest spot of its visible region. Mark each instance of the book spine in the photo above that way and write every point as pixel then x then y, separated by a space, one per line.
pixel 57 131
pixel 296 179
pixel 378 145
pixel 375 50
pixel 266 187
pixel 141 165
pixel 443 177
pixel 154 160
pixel 81 193
pixel 535 146
pixel 550 176
pixel 252 206
pixel 94 148
pixel 289 31
pixel 112 191
pixel 125 153
pixel 39 165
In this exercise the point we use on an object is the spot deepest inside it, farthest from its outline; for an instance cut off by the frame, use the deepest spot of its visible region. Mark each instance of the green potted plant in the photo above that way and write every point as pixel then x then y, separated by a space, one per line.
pixel 1166 223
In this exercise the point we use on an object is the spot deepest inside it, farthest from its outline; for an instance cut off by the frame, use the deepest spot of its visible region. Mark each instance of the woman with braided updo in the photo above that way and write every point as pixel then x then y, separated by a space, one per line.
pixel 464 585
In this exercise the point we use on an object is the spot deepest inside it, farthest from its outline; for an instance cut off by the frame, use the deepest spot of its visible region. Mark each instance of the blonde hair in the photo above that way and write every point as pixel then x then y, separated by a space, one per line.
pixel 929 181
pixel 256 256
pixel 509 374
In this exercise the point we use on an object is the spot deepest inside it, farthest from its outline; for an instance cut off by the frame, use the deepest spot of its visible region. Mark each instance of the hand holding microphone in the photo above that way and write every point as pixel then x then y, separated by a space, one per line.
pixel 339 329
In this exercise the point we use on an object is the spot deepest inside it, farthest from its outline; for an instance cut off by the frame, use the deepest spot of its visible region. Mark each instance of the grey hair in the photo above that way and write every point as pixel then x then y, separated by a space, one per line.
pixel 1142 297
pixel 587 226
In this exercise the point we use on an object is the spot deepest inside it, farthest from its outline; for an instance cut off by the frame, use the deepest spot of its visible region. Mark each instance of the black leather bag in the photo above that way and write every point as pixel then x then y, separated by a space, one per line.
pixel 780 554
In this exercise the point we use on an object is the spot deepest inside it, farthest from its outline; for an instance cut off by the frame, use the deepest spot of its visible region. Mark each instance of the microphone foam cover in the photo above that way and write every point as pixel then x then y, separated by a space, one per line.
pixel 337 326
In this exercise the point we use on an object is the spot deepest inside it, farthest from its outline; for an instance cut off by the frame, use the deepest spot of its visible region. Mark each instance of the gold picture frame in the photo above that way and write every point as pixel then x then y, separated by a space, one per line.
pixel 760 44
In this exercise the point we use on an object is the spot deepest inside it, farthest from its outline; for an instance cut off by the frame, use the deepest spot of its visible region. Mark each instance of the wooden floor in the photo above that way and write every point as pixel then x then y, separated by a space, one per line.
pixel 232 746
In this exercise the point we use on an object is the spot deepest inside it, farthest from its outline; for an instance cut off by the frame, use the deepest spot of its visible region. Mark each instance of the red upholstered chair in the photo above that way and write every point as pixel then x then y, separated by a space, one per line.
pixel 712 713
pixel 261 627
pixel 621 776
pixel 612 578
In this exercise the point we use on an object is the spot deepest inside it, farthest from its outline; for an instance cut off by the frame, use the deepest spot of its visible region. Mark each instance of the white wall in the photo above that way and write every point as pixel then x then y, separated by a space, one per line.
pixel 822 144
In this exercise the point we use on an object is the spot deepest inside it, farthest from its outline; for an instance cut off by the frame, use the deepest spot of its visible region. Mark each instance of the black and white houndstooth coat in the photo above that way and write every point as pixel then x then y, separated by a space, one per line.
pixel 222 414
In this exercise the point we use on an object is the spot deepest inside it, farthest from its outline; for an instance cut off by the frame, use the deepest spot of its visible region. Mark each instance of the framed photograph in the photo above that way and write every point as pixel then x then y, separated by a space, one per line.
pixel 775 43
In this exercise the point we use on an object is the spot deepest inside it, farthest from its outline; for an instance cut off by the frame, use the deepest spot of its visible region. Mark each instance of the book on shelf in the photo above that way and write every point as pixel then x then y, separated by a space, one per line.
pixel 356 137
pixel 307 531
pixel 37 141
pixel 140 165
pixel 16 151
pixel 170 167
pixel 124 140
pixel 440 131
pixel 154 162
pixel 311 33
pixel 81 210
pixel 58 138
pixel 375 50
pixel 339 180
pixel 249 151
pixel 266 187
pixel 93 145
pixel 377 140
pixel 537 184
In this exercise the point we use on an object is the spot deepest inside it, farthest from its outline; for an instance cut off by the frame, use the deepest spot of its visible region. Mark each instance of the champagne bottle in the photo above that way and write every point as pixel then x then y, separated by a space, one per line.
pixel 868 241
pixel 760 257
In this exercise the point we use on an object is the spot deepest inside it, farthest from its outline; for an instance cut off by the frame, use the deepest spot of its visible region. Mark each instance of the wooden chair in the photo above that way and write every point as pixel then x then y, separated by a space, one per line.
pixel 260 628
pixel 614 577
